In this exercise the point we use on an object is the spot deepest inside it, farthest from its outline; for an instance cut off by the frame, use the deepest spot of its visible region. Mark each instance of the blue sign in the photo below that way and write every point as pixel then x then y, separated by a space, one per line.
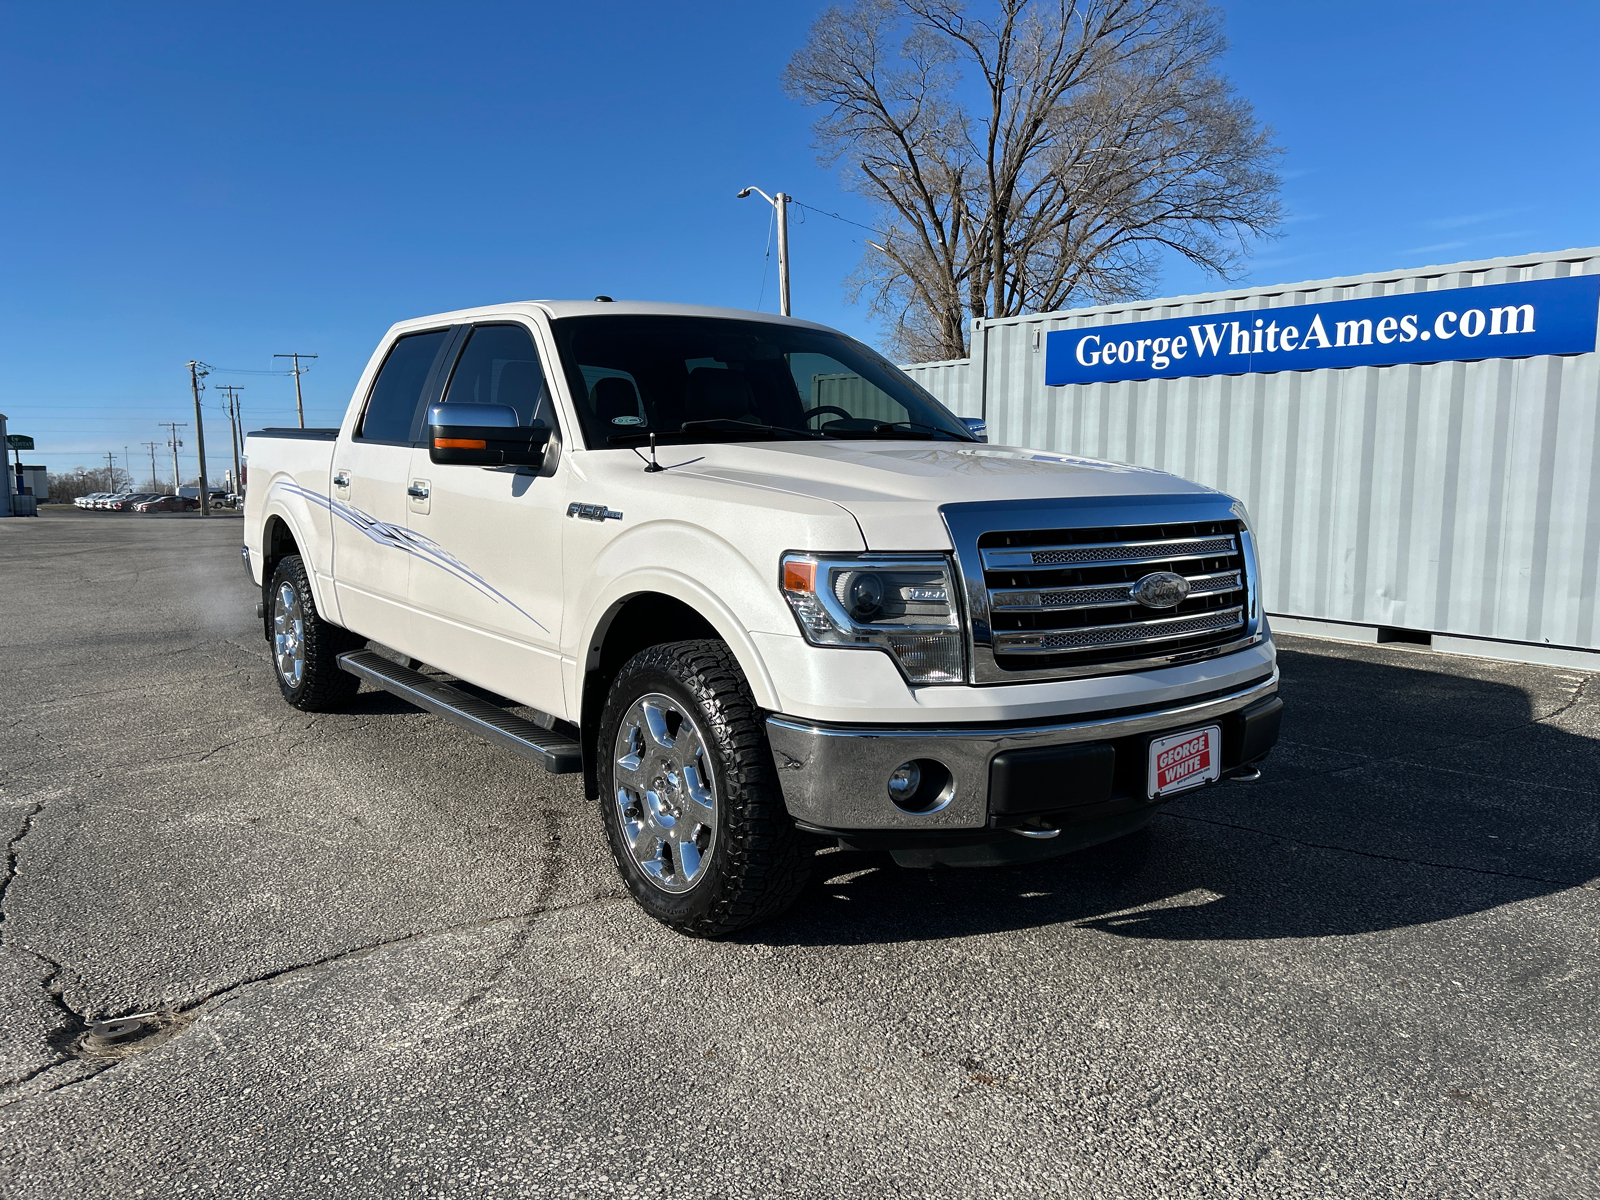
pixel 1499 320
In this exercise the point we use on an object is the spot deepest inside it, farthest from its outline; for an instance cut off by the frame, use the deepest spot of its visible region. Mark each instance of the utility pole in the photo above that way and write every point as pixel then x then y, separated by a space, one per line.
pixel 155 485
pixel 780 204
pixel 111 470
pixel 238 432
pixel 233 427
pixel 299 404
pixel 200 437
pixel 175 442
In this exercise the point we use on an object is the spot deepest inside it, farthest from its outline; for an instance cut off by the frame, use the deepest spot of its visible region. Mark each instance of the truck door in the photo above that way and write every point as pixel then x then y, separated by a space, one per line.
pixel 490 612
pixel 372 544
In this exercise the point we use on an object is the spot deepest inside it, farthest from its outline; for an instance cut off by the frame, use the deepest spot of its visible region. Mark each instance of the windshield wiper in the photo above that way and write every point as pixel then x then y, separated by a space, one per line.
pixel 730 425
pixel 900 429
pixel 709 425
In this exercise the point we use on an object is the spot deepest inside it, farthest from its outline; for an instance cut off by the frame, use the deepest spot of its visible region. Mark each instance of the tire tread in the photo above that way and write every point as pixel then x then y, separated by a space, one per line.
pixel 324 687
pixel 766 859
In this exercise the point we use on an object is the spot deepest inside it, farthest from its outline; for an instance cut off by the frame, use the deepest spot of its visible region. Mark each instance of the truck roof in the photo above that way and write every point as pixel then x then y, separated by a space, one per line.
pixel 556 309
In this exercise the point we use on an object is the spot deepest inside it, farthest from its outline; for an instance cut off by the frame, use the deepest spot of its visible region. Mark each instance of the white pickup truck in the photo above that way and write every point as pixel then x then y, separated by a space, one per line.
pixel 763 591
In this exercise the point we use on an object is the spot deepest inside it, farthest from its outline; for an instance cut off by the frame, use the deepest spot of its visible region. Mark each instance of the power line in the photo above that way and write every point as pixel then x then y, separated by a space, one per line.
pixel 251 370
pixel 824 213
pixel 766 261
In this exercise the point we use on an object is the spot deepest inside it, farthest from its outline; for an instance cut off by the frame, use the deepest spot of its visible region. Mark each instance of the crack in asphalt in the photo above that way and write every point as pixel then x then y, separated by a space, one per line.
pixel 555 872
pixel 214 1001
pixel 70 1018
pixel 11 858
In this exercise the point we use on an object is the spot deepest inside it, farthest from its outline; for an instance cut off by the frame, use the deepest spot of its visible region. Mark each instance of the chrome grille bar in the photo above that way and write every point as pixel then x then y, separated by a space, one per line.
pixel 1112 596
pixel 1101 637
pixel 1107 554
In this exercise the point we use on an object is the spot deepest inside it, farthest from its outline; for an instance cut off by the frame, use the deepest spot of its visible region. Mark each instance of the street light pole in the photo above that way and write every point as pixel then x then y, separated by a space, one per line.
pixel 200 438
pixel 780 204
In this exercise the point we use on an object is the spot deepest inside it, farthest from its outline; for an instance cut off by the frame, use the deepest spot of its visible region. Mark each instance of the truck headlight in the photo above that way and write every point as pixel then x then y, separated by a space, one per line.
pixel 905 607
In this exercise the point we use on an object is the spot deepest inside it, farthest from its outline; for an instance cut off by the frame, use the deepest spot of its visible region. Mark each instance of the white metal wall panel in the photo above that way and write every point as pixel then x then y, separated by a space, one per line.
pixel 1459 497
pixel 954 382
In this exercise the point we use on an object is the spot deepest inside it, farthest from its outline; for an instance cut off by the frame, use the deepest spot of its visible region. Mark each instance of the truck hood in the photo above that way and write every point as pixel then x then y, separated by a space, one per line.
pixel 894 489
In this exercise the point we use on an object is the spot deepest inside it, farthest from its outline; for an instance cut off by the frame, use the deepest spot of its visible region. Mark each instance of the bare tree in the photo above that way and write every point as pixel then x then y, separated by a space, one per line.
pixel 1043 154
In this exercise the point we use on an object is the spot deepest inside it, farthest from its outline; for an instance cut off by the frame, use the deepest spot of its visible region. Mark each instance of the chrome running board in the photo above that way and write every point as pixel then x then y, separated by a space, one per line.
pixel 560 754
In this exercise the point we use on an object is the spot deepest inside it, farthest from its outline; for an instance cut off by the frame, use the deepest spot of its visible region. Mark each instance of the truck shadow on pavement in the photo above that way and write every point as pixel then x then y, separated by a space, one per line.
pixel 1399 795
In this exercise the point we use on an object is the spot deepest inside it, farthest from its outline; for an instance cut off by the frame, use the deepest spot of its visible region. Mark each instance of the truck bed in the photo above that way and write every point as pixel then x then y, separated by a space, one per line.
pixel 309 435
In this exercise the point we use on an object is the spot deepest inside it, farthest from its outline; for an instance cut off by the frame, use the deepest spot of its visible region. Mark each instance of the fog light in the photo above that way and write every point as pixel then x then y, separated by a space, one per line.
pixel 903 782
pixel 921 786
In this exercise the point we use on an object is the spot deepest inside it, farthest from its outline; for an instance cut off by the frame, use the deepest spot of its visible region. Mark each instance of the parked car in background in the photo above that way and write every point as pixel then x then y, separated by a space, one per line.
pixel 167 504
pixel 218 496
pixel 105 499
pixel 89 500
pixel 126 503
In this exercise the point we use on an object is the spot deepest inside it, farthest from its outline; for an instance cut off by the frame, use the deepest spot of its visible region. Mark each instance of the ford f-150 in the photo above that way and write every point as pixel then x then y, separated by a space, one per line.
pixel 763 591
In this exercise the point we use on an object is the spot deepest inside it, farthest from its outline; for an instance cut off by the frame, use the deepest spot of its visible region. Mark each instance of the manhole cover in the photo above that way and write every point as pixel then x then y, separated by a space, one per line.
pixel 104 1035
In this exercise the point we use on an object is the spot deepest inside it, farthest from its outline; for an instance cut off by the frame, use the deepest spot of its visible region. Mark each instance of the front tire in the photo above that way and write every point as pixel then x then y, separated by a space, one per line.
pixel 694 816
pixel 305 648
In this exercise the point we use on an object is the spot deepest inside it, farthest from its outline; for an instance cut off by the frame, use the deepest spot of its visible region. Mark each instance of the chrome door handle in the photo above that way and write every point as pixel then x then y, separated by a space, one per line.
pixel 341 480
pixel 417 493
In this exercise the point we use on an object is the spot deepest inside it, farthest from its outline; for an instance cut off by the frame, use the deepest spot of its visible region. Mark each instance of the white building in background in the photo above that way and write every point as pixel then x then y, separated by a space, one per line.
pixel 1419 450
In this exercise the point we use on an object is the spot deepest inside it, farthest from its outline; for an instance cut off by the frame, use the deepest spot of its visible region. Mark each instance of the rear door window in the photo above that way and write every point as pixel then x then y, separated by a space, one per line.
pixel 391 413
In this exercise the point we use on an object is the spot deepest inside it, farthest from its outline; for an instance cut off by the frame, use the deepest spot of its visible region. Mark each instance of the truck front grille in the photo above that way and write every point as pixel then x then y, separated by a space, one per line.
pixel 1061 598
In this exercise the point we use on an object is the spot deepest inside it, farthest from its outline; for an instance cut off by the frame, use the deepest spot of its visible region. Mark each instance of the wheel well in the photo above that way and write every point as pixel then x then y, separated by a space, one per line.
pixel 647 619
pixel 277 543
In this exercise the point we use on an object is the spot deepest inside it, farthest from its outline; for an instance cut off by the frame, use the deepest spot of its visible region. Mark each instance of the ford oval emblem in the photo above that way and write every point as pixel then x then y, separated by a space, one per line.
pixel 1160 589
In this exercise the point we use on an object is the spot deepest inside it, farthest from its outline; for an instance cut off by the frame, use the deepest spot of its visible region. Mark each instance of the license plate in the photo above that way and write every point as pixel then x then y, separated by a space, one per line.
pixel 1185 760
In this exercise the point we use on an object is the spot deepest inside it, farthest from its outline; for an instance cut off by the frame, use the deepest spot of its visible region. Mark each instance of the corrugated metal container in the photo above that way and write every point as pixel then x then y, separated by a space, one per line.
pixel 956 382
pixel 1458 498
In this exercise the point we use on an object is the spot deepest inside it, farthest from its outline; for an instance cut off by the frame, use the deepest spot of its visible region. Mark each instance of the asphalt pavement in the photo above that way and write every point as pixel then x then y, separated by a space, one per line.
pixel 388 959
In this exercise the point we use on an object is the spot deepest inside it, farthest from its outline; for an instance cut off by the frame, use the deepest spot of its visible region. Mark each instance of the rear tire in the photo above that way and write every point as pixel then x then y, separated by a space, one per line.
pixel 305 648
pixel 693 813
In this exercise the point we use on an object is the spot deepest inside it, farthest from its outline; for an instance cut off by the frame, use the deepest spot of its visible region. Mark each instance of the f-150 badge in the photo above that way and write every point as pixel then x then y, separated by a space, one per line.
pixel 592 512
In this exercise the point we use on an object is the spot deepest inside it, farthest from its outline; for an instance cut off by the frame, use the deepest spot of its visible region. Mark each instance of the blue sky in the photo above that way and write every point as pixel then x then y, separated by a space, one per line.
pixel 227 182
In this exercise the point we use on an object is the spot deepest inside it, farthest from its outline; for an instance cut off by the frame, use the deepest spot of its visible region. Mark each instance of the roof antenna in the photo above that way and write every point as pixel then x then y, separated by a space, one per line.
pixel 653 466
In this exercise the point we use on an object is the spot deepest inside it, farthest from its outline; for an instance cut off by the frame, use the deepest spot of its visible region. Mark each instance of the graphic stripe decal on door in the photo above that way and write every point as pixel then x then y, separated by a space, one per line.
pixel 398 537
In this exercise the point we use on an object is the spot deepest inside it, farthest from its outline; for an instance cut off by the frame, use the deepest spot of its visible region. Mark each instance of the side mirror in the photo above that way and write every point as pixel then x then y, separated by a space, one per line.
pixel 977 427
pixel 484 435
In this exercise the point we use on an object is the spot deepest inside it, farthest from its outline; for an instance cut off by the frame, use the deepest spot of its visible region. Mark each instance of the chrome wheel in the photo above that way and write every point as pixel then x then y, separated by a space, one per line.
pixel 665 792
pixel 289 635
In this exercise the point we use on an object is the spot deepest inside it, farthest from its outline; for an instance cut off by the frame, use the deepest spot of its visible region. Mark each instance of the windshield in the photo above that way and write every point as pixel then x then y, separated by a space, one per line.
pixel 709 379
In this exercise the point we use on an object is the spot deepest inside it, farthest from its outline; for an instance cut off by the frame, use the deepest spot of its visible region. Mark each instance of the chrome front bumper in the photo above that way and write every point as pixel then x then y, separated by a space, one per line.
pixel 836 777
